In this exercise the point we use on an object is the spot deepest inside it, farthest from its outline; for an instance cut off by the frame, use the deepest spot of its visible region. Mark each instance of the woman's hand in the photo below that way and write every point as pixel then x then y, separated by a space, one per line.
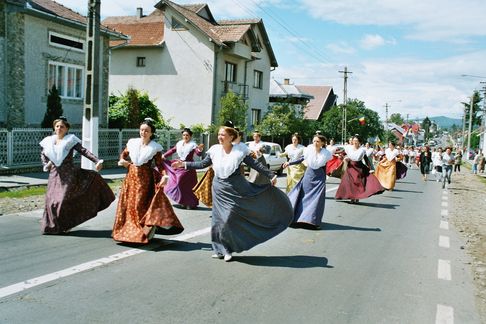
pixel 200 147
pixel 285 165
pixel 123 163
pixel 99 166
pixel 178 164
pixel 274 181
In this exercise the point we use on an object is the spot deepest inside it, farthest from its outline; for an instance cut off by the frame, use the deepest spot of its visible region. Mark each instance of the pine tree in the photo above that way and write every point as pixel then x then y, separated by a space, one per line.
pixel 54 108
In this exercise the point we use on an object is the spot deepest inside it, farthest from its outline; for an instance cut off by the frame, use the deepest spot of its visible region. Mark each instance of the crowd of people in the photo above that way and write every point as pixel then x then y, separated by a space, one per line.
pixel 241 214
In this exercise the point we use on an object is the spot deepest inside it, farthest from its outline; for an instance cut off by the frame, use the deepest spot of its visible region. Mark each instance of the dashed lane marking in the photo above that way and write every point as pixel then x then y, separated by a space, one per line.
pixel 444 241
pixel 444 315
pixel 444 225
pixel 444 270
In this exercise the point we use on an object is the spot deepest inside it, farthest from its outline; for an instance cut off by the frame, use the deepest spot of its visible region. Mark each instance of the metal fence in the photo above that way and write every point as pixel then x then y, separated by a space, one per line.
pixel 19 147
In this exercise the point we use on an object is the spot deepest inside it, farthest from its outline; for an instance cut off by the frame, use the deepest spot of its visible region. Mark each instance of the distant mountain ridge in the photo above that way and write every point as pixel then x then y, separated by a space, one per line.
pixel 446 122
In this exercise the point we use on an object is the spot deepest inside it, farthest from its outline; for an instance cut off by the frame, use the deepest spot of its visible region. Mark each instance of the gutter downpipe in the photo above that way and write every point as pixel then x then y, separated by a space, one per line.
pixel 217 50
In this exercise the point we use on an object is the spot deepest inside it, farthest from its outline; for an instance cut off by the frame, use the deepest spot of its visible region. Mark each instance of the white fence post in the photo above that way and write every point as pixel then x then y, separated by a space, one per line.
pixel 9 148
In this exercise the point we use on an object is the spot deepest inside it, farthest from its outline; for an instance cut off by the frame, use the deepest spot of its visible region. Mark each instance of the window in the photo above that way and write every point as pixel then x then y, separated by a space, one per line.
pixel 258 79
pixel 177 25
pixel 230 75
pixel 64 41
pixel 255 116
pixel 140 61
pixel 67 78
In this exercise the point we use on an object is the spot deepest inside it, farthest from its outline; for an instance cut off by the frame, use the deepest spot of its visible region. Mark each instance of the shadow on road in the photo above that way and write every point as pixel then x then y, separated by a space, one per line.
pixel 406 182
pixel 90 233
pixel 368 204
pixel 413 191
pixel 294 261
pixel 164 245
pixel 338 227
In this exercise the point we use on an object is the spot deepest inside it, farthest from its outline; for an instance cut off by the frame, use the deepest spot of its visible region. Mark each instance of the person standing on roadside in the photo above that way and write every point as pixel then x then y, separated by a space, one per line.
pixel 481 163
pixel 475 164
pixel 425 160
pixel 74 195
pixel 458 161
pixel 447 163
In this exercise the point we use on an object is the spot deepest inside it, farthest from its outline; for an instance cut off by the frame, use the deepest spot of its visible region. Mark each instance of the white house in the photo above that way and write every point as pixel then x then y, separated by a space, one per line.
pixel 42 43
pixel 186 61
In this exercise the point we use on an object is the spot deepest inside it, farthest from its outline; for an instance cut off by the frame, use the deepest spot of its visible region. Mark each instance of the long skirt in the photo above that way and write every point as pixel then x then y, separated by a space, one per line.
pixel 308 198
pixel 401 170
pixel 257 178
pixel 74 195
pixel 245 214
pixel 358 183
pixel 334 167
pixel 180 184
pixel 294 174
pixel 142 204
pixel 424 168
pixel 386 172
pixel 203 190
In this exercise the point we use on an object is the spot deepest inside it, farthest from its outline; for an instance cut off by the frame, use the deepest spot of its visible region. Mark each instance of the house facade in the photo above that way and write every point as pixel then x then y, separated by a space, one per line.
pixel 43 44
pixel 189 61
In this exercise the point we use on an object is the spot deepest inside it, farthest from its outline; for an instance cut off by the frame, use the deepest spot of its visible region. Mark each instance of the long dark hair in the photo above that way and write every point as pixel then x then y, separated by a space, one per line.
pixel 149 122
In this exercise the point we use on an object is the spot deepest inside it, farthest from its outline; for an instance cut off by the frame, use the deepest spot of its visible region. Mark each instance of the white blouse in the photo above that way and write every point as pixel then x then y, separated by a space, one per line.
pixel 355 154
pixel 294 153
pixel 255 147
pixel 141 154
pixel 391 154
pixel 225 164
pixel 183 149
pixel 316 160
pixel 58 152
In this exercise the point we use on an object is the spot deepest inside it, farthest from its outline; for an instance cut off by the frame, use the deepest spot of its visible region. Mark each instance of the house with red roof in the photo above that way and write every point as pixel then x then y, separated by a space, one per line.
pixel 42 44
pixel 186 61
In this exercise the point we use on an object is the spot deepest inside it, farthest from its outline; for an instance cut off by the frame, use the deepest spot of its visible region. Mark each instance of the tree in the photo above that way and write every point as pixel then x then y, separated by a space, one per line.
pixel 426 127
pixel 233 108
pixel 54 108
pixel 331 123
pixel 130 109
pixel 396 118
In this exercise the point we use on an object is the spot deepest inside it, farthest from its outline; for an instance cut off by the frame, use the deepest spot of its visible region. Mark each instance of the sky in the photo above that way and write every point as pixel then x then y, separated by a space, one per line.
pixel 419 58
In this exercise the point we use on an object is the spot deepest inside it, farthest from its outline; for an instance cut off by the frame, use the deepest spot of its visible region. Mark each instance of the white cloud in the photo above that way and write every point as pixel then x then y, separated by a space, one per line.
pixel 341 48
pixel 450 20
pixel 424 87
pixel 373 41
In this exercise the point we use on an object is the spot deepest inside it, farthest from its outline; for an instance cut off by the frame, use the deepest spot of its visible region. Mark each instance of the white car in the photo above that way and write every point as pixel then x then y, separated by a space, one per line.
pixel 273 156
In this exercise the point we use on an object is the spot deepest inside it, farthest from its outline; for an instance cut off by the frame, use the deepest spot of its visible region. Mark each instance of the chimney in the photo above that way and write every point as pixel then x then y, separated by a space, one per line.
pixel 139 12
pixel 286 81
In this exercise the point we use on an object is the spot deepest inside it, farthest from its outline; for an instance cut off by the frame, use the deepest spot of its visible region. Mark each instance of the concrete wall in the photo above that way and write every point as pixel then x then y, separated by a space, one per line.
pixel 178 77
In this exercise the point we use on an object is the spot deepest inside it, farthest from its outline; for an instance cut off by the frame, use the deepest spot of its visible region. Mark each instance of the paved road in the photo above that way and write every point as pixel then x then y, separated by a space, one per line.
pixel 391 259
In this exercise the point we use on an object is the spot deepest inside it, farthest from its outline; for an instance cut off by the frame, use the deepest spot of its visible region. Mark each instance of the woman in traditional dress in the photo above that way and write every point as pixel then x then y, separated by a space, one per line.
pixel 257 148
pixel 181 182
pixel 143 208
pixel 425 159
pixel 294 152
pixel 244 214
pixel 308 197
pixel 334 167
pixel 386 170
pixel 357 182
pixel 74 195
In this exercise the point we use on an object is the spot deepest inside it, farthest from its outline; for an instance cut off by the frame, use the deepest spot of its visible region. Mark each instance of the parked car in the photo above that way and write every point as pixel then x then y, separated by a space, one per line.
pixel 273 152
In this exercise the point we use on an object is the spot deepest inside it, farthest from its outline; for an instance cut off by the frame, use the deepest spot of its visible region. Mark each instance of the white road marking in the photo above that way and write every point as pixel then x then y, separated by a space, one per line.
pixel 445 198
pixel 444 212
pixel 444 270
pixel 332 189
pixel 444 241
pixel 21 286
pixel 444 204
pixel 444 192
pixel 444 315
pixel 444 225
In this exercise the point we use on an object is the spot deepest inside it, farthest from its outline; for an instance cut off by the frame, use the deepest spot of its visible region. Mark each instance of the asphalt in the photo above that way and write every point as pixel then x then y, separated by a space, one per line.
pixel 8 182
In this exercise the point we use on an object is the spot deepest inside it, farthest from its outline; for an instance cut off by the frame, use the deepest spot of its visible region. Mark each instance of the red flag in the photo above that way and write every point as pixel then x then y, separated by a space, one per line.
pixel 362 121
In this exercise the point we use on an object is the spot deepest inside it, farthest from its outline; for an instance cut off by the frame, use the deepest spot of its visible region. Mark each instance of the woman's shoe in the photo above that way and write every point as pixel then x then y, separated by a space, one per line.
pixel 228 257
pixel 217 256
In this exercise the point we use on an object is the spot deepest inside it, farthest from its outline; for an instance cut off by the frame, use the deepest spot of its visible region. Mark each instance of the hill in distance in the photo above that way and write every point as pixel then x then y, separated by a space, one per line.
pixel 446 122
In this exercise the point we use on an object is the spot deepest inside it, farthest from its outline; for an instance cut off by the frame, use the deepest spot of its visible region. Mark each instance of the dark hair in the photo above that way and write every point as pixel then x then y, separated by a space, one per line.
pixel 357 137
pixel 229 123
pixel 63 120
pixel 296 135
pixel 187 130
pixel 322 138
pixel 149 122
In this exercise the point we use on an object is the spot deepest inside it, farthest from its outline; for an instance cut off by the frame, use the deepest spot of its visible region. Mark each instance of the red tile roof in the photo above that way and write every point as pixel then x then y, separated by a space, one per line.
pixel 144 31
pixel 316 106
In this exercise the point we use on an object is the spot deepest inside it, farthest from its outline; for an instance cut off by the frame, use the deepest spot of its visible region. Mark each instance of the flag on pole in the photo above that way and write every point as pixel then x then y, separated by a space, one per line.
pixel 362 121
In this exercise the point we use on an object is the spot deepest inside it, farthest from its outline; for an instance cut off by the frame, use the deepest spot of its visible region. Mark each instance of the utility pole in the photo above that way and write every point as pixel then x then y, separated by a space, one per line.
pixel 471 111
pixel 345 102
pixel 92 103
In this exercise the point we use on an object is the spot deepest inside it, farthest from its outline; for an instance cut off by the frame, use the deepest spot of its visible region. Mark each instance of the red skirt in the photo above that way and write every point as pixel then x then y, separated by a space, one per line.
pixel 357 182
pixel 334 167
